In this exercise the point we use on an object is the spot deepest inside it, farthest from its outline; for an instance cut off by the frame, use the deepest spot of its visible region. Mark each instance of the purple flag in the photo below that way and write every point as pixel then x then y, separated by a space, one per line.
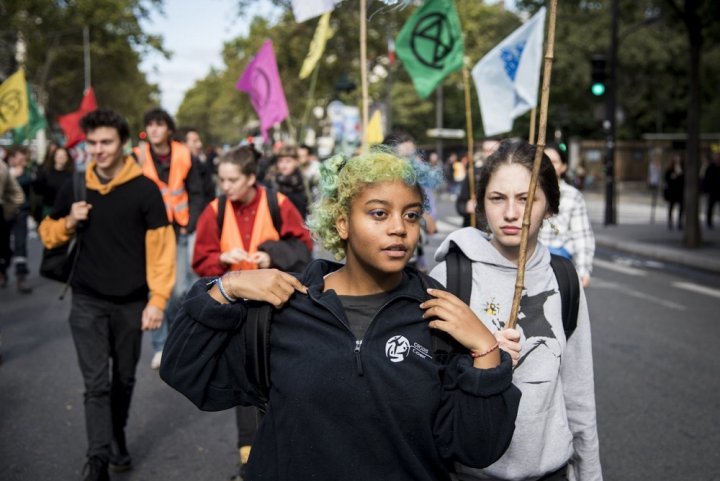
pixel 261 81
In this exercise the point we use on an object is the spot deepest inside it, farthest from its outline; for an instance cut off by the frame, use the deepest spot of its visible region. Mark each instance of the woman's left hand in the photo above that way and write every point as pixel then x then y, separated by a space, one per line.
pixel 509 340
pixel 261 258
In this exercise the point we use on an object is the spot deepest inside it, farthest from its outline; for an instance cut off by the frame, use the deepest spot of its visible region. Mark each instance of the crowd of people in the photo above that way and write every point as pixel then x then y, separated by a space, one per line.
pixel 407 380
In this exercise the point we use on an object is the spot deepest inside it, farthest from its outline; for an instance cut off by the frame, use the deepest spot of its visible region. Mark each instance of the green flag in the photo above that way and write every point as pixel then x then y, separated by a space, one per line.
pixel 36 121
pixel 430 44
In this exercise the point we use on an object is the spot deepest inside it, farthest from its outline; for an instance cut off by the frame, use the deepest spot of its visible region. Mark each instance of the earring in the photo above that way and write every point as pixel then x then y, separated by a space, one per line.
pixel 553 227
pixel 484 227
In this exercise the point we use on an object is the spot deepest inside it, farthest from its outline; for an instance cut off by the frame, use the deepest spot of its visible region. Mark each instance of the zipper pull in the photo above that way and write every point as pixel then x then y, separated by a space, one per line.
pixel 358 361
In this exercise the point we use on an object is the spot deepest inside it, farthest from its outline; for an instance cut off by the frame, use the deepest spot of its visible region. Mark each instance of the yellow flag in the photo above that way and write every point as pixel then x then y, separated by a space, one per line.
pixel 13 102
pixel 317 46
pixel 375 129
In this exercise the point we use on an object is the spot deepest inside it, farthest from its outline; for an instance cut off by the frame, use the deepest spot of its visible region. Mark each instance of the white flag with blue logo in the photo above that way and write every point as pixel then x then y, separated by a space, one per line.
pixel 508 77
pixel 307 9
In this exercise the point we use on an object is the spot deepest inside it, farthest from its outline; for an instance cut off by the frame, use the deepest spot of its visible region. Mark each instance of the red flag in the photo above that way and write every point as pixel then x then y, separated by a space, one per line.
pixel 70 123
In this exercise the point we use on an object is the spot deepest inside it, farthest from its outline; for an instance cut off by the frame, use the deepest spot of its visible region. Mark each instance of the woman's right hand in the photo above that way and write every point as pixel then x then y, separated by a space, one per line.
pixel 268 285
pixel 234 256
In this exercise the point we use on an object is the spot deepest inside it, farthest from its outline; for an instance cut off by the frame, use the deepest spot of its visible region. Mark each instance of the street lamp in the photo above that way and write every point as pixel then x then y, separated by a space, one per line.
pixel 611 108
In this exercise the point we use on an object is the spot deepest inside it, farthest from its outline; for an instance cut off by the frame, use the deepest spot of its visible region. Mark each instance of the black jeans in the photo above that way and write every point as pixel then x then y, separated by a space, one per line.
pixel 107 336
pixel 246 418
pixel 711 201
pixel 671 207
pixel 5 251
pixel 19 228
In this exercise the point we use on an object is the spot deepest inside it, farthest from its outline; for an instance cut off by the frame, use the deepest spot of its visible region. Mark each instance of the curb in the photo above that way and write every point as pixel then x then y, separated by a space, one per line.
pixel 667 254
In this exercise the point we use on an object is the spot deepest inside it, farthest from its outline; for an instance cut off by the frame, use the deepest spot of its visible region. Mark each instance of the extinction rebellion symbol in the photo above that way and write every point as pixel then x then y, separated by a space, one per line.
pixel 10 104
pixel 260 89
pixel 432 40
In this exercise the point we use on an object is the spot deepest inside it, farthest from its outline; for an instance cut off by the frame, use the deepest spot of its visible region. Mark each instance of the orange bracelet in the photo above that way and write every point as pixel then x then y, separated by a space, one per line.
pixel 475 355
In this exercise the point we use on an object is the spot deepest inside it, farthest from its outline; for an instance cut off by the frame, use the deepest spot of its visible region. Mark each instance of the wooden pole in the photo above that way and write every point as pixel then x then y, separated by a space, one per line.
pixel 86 56
pixel 544 100
pixel 308 104
pixel 470 141
pixel 364 73
pixel 533 114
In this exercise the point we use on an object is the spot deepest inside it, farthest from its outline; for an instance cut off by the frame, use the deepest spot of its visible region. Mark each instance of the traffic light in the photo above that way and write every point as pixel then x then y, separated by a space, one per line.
pixel 598 75
pixel 344 84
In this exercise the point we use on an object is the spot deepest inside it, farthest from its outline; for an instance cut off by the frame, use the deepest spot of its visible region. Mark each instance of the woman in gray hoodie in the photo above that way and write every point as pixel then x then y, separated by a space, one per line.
pixel 556 431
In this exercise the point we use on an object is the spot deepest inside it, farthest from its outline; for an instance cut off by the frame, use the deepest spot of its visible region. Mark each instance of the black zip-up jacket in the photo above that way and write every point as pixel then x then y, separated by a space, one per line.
pixel 340 408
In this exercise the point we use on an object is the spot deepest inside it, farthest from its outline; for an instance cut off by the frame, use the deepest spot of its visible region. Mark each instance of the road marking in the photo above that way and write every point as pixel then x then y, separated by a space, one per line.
pixel 708 291
pixel 627 290
pixel 631 271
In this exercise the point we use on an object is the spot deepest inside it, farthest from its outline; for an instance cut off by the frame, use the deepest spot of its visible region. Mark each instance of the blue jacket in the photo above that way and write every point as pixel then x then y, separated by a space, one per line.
pixel 339 408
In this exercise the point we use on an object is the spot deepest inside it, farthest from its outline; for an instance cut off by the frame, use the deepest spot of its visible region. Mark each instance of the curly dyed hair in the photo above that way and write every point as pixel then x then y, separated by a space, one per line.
pixel 342 179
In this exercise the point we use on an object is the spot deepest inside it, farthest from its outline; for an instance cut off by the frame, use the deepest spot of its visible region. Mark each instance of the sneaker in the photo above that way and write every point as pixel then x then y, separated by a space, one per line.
pixel 156 360
pixel 95 470
pixel 119 463
pixel 240 474
pixel 120 460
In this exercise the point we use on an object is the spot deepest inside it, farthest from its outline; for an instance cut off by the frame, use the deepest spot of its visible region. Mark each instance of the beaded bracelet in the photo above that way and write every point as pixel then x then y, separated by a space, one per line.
pixel 475 355
pixel 223 292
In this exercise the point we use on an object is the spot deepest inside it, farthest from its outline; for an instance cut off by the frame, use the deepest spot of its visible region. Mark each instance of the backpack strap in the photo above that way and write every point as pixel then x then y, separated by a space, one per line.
pixel 459 282
pixel 272 205
pixel 459 273
pixel 257 347
pixel 79 187
pixel 569 287
pixel 272 200
pixel 443 345
pixel 222 200
pixel 79 194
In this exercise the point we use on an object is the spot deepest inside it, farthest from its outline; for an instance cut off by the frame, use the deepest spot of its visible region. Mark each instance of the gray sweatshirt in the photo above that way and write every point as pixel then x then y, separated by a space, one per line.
pixel 556 422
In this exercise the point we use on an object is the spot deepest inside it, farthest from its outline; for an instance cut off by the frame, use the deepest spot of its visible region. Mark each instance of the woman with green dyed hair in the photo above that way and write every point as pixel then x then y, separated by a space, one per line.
pixel 357 389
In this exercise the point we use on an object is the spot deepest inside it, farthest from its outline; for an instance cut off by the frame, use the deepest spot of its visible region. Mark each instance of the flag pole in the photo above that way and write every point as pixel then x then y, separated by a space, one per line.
pixel 533 114
pixel 363 73
pixel 471 142
pixel 86 56
pixel 544 100
pixel 308 105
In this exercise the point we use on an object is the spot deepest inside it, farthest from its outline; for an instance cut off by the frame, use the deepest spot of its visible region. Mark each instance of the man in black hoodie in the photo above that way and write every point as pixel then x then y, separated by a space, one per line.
pixel 123 278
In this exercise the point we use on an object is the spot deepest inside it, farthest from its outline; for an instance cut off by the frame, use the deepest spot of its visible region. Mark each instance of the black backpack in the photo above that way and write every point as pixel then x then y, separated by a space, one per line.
pixel 459 282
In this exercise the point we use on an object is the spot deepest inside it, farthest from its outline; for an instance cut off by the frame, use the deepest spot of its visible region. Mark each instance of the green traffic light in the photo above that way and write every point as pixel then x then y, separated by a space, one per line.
pixel 597 89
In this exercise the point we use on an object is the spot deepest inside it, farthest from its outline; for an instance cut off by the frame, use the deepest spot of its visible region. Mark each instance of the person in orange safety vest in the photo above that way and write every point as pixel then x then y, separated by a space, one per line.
pixel 237 232
pixel 168 163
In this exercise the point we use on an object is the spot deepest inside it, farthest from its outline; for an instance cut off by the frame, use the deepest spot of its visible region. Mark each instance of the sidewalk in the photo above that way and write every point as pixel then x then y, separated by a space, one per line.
pixel 635 234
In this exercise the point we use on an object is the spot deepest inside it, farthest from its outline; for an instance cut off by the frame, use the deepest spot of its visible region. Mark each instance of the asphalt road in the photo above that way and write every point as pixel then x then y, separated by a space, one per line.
pixel 657 382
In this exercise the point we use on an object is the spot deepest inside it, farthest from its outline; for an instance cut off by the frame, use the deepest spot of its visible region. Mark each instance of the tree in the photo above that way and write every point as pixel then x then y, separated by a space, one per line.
pixel 697 16
pixel 53 33
pixel 652 82
pixel 484 24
